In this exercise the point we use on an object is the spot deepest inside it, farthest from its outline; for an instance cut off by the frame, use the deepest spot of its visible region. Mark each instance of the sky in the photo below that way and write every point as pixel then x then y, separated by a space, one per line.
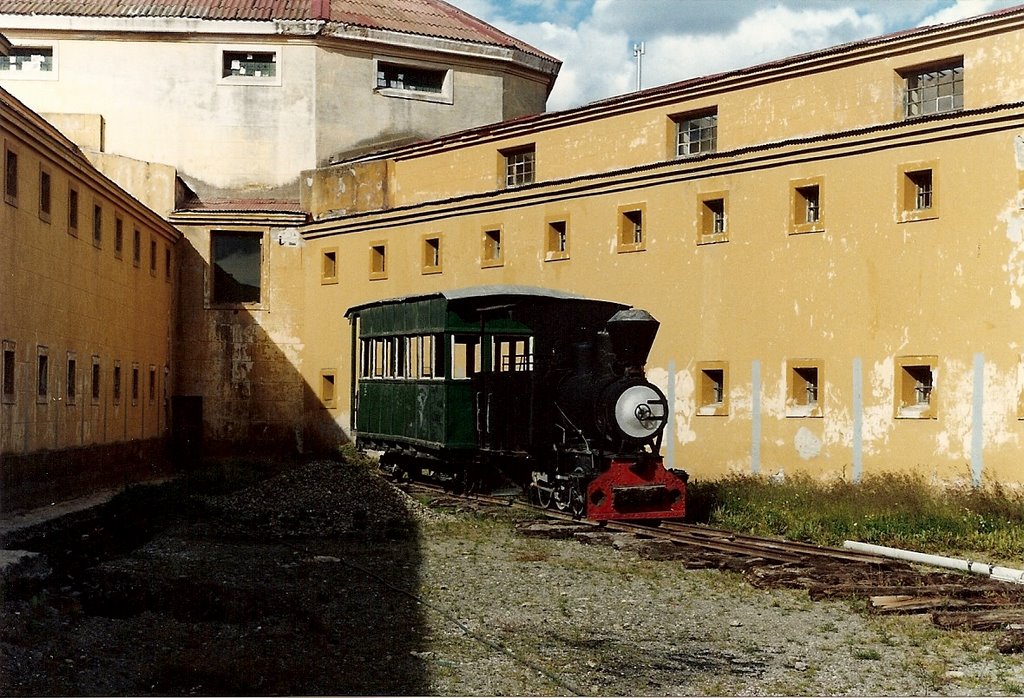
pixel 682 39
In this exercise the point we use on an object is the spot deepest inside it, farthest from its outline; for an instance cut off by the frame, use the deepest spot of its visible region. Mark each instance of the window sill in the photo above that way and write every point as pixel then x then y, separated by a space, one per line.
pixel 803 412
pixel 922 215
pixel 378 276
pixel 556 256
pixel 434 97
pixel 328 280
pixel 426 271
pixel 915 412
pixel 492 263
pixel 806 228
pixel 712 238
pixel 715 410
pixel 631 247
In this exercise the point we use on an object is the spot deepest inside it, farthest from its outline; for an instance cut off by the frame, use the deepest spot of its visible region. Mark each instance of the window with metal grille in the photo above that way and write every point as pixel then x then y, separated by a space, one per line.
pixel 803 388
pixel 249 64
pixel 519 166
pixel 492 249
pixel 27 59
pixel 557 240
pixel 915 387
pixel 922 189
pixel 934 90
pixel 696 133
pixel 413 78
pixel 712 388
pixel 712 222
pixel 632 235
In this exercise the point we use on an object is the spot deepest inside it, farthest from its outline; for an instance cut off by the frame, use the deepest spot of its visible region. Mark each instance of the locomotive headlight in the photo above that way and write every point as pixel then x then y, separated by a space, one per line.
pixel 641 411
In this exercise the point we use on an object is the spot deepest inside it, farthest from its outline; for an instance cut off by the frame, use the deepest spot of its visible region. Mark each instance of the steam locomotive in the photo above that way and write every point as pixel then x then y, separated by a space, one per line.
pixel 533 387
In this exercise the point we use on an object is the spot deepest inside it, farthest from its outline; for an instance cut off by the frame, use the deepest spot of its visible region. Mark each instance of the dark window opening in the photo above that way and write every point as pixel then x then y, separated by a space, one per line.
pixel 236 260
pixel 404 77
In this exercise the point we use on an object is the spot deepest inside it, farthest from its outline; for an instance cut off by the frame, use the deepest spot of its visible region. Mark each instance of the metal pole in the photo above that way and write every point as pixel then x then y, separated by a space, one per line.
pixel 638 52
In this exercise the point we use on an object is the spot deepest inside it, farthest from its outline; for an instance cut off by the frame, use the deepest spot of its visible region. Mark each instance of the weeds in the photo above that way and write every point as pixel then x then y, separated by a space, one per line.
pixel 901 510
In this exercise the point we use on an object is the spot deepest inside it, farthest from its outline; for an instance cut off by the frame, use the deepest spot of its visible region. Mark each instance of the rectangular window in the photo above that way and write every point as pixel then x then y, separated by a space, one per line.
pixel 117 383
pixel 9 372
pixel 631 229
pixel 95 380
pixel 431 254
pixel 135 384
pixel 696 133
pixel 118 236
pixel 71 389
pixel 492 253
pixel 45 204
pixel 915 386
pixel 97 225
pixel 152 257
pixel 237 265
pixel 519 166
pixel 167 264
pixel 918 192
pixel 152 384
pixel 803 382
pixel 557 245
pixel 806 213
pixel 394 76
pixel 25 60
pixel 712 388
pixel 934 89
pixel 136 247
pixel 329 266
pixel 510 354
pixel 42 375
pixel 327 390
pixel 73 210
pixel 378 260
pixel 11 177
pixel 466 356
pixel 249 66
pixel 712 218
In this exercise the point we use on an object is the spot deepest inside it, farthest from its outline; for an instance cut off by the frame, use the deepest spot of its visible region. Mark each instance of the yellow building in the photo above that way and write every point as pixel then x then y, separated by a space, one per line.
pixel 87 298
pixel 833 243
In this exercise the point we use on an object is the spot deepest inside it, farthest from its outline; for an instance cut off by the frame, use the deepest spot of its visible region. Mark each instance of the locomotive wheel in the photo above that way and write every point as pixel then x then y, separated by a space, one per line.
pixel 577 503
pixel 544 494
pixel 562 496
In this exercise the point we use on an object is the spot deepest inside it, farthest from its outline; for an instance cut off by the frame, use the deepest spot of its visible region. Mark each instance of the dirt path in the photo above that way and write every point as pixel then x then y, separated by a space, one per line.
pixel 326 580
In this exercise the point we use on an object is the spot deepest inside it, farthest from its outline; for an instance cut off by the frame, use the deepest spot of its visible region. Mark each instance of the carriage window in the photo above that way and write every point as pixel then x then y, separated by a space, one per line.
pixel 465 356
pixel 513 354
pixel 399 357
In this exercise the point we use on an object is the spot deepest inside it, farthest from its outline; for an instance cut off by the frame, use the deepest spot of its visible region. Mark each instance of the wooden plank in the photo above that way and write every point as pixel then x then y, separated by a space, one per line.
pixel 991 619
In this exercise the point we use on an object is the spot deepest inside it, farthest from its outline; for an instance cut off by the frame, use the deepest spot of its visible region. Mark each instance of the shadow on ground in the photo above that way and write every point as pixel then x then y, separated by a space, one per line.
pixel 299 582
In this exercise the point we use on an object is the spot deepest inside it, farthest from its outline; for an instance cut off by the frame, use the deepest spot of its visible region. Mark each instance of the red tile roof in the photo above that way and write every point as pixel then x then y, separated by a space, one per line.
pixel 425 17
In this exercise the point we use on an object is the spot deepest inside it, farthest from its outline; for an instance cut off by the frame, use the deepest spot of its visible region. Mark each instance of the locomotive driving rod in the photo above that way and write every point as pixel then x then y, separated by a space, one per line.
pixel 1003 574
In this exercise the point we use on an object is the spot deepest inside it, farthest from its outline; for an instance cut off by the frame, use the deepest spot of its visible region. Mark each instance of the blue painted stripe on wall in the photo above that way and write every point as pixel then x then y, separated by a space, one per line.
pixel 858 419
pixel 755 417
pixel 978 420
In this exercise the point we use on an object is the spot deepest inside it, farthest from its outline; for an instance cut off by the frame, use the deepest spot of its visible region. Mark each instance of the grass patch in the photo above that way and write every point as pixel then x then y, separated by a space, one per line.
pixel 899 510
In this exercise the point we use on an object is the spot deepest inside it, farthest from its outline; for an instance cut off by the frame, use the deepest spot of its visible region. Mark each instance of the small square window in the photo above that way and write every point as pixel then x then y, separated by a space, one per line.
pixel 9 393
pixel 695 133
pixel 557 244
pixel 933 89
pixel 97 225
pixel 378 260
pixel 632 237
pixel 712 388
pixel 519 164
pixel 712 218
pixel 806 212
pixel 493 251
pixel 11 177
pixel 803 388
pixel 73 211
pixel 431 254
pixel 915 387
pixel 328 394
pixel 329 266
pixel 918 192
pixel 45 200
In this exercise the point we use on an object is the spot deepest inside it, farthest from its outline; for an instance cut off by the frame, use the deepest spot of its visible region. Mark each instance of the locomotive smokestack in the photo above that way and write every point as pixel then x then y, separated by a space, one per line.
pixel 632 334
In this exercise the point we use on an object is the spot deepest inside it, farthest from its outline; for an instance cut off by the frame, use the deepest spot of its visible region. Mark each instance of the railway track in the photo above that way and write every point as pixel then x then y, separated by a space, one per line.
pixel 954 600
pixel 717 540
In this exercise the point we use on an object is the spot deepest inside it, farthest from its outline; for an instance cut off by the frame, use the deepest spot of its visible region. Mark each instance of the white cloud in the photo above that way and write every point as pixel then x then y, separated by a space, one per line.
pixel 689 38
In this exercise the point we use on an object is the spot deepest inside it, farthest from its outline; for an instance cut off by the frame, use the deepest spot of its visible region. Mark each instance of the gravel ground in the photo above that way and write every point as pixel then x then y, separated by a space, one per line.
pixel 327 580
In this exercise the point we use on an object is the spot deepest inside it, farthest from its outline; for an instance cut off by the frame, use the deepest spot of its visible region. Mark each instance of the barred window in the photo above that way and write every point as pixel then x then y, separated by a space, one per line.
pixel 249 64
pixel 413 78
pixel 696 133
pixel 519 166
pixel 25 59
pixel 934 90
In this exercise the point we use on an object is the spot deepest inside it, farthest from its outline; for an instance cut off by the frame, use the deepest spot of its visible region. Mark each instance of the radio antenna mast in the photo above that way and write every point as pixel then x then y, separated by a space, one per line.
pixel 638 52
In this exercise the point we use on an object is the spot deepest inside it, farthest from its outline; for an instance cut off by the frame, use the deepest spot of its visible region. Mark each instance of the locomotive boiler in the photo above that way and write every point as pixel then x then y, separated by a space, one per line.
pixel 493 385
